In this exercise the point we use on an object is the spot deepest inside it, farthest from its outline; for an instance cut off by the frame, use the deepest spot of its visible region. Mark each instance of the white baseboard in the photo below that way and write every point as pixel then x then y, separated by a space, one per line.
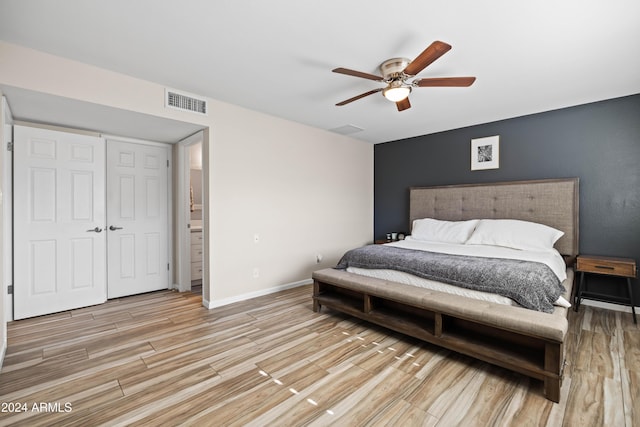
pixel 606 305
pixel 243 297
pixel 2 353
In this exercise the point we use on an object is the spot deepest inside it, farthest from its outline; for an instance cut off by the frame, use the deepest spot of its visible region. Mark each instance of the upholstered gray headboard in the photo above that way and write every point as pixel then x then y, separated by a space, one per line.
pixel 553 202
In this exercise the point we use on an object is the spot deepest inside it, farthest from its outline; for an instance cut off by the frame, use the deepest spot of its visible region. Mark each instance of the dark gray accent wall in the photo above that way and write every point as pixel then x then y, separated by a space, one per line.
pixel 598 143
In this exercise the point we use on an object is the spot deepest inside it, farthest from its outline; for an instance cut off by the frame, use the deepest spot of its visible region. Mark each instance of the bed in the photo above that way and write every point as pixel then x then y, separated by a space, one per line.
pixel 524 340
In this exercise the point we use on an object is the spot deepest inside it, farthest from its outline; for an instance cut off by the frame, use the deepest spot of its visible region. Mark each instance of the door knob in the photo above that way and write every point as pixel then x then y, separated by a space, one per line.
pixel 114 228
pixel 95 230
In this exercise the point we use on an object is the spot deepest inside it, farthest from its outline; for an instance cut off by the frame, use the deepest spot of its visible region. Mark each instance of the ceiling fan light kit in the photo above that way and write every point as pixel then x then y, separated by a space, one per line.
pixel 396 91
pixel 396 71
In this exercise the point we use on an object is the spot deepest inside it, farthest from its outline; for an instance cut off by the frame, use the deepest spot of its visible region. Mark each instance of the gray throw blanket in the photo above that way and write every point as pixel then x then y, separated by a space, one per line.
pixel 531 284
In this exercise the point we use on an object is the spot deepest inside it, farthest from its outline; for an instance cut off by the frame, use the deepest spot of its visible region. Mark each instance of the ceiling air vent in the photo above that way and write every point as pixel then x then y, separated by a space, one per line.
pixel 185 102
pixel 346 129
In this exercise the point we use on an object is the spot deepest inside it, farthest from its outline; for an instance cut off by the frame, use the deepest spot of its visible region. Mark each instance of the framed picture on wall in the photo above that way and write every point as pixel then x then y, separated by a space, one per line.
pixel 485 153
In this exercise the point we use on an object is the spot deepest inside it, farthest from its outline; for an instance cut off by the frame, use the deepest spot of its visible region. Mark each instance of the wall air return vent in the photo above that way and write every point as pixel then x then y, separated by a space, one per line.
pixel 185 102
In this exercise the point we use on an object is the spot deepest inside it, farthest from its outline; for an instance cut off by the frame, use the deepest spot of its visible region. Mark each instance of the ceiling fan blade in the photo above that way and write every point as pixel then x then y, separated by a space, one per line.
pixel 355 98
pixel 445 81
pixel 355 73
pixel 430 54
pixel 403 105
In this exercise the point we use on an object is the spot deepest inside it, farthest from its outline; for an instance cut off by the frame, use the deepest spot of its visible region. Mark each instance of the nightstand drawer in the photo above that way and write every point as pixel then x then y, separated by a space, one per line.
pixel 605 265
pixel 196 271
pixel 196 237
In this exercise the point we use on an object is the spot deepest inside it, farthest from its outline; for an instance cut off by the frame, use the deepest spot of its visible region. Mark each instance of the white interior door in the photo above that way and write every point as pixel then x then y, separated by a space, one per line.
pixel 137 218
pixel 59 220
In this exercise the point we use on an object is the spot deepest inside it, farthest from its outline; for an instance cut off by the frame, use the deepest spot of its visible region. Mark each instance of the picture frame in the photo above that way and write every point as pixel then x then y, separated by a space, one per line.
pixel 485 153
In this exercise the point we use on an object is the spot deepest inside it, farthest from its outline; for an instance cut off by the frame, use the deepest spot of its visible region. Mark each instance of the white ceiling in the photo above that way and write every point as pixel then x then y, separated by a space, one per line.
pixel 276 56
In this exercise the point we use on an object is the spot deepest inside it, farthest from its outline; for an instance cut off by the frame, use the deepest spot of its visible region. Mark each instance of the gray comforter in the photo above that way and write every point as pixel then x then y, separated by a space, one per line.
pixel 531 284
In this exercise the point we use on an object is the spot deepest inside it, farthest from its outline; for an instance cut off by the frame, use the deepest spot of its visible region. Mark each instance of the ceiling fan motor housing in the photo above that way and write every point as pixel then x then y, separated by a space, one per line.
pixel 392 68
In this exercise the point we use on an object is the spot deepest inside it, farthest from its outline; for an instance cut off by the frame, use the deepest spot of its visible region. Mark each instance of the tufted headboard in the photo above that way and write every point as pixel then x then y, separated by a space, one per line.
pixel 553 202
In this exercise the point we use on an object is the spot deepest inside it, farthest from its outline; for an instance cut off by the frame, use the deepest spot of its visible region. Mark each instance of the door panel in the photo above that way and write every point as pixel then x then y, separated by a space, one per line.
pixel 137 188
pixel 59 194
pixel 127 248
pixel 127 194
pixel 42 267
pixel 81 191
pixel 81 256
pixel 42 195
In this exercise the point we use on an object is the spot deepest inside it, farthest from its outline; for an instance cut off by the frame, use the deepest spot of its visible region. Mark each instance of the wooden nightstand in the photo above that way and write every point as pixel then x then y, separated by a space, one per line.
pixel 382 241
pixel 609 266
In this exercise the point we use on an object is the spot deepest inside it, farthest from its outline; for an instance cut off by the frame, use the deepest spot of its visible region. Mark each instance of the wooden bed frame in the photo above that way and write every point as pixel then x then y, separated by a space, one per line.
pixel 524 341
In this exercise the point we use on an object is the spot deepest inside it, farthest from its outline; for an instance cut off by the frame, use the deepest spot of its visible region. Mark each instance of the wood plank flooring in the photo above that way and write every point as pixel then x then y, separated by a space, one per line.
pixel 163 359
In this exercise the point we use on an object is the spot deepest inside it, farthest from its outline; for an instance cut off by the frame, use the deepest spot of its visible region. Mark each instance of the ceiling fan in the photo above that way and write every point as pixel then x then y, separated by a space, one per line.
pixel 396 72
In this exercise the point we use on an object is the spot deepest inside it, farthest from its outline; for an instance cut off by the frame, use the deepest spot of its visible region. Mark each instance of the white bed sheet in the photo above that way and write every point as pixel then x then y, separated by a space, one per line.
pixel 551 258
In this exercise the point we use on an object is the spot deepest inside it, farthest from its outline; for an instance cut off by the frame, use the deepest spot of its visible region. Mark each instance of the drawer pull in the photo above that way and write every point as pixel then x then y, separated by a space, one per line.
pixel 605 267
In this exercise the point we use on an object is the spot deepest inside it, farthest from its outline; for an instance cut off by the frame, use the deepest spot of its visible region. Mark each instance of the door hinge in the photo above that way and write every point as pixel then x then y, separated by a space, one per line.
pixel 167 163
pixel 10 289
pixel 167 267
pixel 9 146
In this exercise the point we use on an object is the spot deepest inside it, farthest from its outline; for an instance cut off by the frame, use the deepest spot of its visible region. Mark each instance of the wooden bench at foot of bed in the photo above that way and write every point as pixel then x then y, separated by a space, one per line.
pixel 518 339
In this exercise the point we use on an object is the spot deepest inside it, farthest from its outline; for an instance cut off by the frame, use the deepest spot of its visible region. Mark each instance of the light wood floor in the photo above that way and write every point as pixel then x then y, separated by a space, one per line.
pixel 163 359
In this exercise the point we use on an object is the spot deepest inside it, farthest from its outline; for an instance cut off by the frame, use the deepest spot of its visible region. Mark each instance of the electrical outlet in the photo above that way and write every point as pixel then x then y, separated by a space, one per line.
pixel 256 273
pixel 319 258
pixel 256 238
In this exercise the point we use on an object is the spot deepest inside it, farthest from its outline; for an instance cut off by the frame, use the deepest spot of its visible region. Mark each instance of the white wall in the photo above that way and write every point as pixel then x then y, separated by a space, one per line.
pixel 304 191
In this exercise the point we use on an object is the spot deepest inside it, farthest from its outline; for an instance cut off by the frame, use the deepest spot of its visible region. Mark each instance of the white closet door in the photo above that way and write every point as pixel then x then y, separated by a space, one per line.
pixel 59 220
pixel 137 218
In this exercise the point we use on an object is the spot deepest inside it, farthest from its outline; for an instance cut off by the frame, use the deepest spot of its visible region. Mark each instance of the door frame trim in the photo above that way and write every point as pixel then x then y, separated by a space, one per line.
pixel 7 220
pixel 183 233
pixel 136 141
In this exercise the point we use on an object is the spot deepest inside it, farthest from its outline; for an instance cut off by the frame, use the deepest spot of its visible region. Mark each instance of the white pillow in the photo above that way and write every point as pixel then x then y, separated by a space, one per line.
pixel 435 230
pixel 516 234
